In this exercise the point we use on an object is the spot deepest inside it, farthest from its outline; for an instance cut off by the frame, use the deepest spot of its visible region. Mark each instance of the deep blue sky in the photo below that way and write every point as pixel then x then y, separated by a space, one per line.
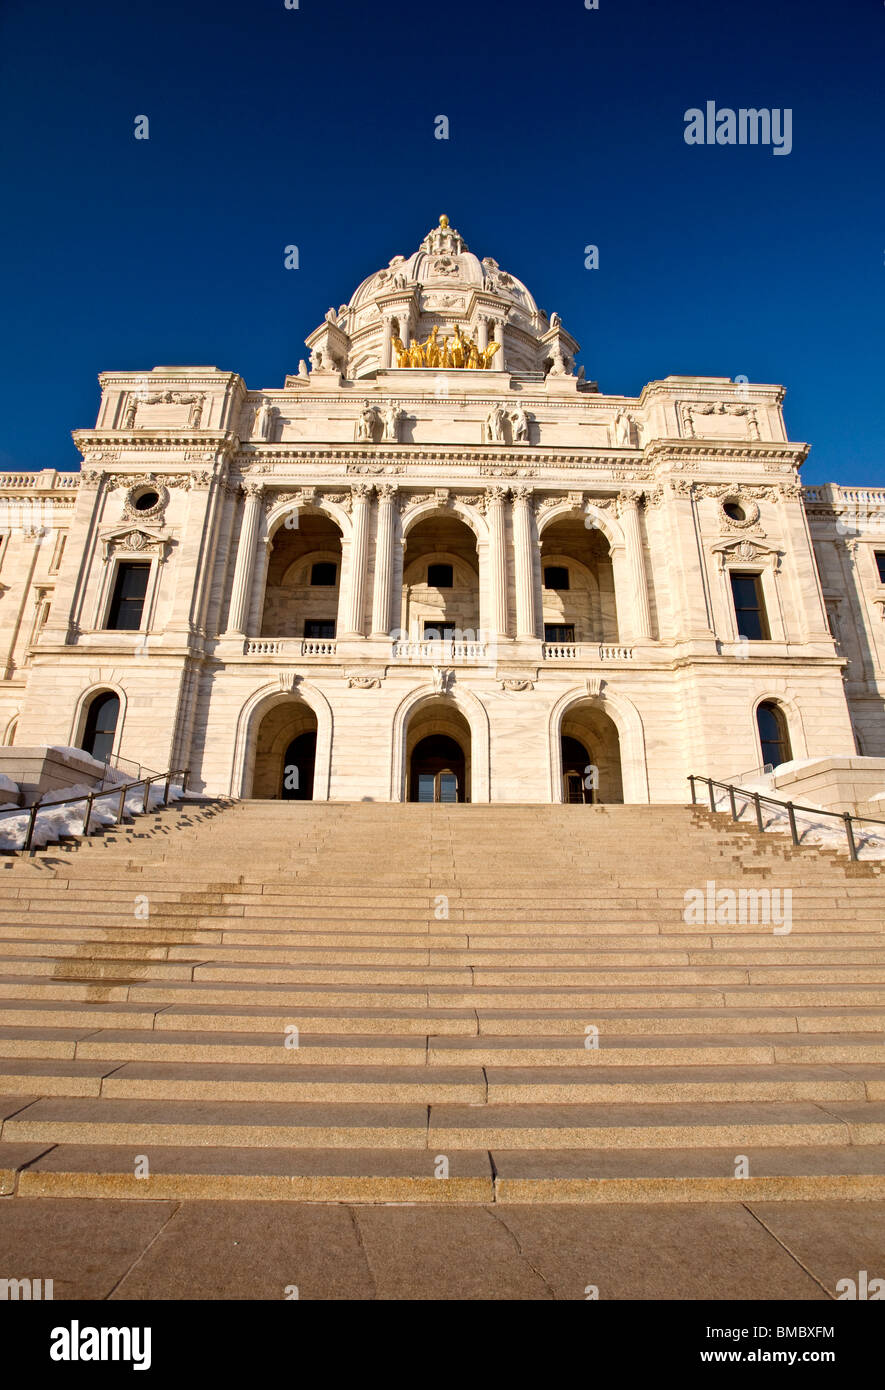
pixel 315 126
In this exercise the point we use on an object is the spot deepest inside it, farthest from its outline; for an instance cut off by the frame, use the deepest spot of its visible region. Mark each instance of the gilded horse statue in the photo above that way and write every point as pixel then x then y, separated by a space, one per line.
pixel 458 351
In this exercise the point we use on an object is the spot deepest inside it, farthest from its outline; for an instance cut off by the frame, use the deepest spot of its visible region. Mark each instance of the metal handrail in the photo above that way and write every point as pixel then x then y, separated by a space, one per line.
pixel 91 797
pixel 846 817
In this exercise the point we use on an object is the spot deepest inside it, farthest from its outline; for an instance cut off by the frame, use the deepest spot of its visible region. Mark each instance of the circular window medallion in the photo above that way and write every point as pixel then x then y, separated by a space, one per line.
pixel 738 512
pixel 146 501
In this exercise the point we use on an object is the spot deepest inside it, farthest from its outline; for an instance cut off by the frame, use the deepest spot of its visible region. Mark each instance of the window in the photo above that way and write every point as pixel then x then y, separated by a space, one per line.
pixel 319 627
pixel 145 501
pixel 55 564
pixel 439 576
pixel 555 577
pixel 734 510
pixel 438 632
pixel 324 574
pixel 101 725
pixel 559 632
pixel 127 600
pixel 774 738
pixel 880 565
pixel 749 607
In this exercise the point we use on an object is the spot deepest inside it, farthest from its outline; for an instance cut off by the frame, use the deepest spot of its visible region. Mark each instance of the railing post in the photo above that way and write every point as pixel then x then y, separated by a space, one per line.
pixel 147 794
pixel 734 814
pixel 758 804
pixel 693 796
pixel 792 814
pixel 185 778
pixel 709 782
pixel 86 819
pixel 122 806
pixel 166 792
pixel 852 847
pixel 32 821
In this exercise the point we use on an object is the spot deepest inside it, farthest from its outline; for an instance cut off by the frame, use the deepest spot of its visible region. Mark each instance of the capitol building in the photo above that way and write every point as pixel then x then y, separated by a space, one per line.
pixel 438 563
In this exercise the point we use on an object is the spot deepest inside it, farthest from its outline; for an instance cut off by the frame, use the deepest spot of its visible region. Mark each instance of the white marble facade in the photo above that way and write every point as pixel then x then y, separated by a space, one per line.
pixel 302 545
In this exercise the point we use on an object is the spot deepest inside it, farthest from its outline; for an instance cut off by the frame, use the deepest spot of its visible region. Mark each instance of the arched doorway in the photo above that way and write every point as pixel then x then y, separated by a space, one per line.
pixel 774 736
pixel 578 586
pixel 101 725
pixel 302 589
pixel 437 770
pixel 440 595
pixel 579 779
pixel 438 761
pixel 590 746
pixel 299 762
pixel 285 753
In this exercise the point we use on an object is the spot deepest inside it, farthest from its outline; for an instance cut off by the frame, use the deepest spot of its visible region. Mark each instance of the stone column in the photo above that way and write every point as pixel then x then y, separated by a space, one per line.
pixel 482 332
pixel 383 560
pixel 359 550
pixel 386 350
pixel 526 602
pixel 640 617
pixel 694 618
pixel 498 359
pixel 241 592
pixel 497 561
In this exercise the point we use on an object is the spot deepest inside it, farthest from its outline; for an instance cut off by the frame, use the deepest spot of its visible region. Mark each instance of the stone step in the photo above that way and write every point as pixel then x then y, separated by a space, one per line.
pixel 395 1049
pixel 691 1024
pixel 416 1175
pixel 355 1081
pixel 443 1127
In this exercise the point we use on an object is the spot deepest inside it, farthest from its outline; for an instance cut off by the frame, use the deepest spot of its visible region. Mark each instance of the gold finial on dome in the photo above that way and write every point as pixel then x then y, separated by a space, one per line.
pixel 443 221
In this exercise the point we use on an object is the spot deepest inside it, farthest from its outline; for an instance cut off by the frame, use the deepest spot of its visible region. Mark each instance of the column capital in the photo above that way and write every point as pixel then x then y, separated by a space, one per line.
pixel 629 498
pixel 387 492
pixel 361 492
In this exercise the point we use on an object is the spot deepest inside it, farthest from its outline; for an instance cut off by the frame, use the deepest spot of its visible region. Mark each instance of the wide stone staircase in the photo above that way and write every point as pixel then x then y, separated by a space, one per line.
pixel 405 1003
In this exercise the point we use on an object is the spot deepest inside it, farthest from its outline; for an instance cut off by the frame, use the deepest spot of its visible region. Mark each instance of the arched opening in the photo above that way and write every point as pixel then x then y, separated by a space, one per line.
pixel 578 773
pixel 299 762
pixel 285 753
pixel 578 585
pixel 440 599
pixel 438 754
pixel 590 747
pixel 774 736
pixel 303 578
pixel 437 770
pixel 101 725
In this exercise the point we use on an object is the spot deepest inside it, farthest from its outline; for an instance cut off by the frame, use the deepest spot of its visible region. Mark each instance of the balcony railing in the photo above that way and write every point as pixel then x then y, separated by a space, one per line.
pixel 438 649
pixel 290 646
pixel 572 651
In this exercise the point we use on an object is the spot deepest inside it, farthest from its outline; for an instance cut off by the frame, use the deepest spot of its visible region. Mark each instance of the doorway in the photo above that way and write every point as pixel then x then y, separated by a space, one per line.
pixel 299 762
pixel 578 779
pixel 437 770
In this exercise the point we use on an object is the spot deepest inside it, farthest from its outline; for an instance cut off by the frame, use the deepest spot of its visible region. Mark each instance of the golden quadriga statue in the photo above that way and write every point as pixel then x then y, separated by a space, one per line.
pixel 457 351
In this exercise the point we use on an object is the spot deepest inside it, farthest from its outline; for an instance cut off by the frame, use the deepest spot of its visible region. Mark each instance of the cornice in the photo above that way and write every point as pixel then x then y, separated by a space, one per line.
pixel 142 440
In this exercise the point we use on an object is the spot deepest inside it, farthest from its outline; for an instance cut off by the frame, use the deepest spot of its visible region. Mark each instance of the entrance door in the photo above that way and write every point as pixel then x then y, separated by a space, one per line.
pixel 577 776
pixel 298 767
pixel 437 771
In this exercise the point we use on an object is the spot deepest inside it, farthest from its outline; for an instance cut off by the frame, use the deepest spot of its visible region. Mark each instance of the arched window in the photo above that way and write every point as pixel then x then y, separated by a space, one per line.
pixel 774 737
pixel 101 725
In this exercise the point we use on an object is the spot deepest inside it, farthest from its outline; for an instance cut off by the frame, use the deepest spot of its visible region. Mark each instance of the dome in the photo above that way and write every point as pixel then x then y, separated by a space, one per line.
pixel 442 286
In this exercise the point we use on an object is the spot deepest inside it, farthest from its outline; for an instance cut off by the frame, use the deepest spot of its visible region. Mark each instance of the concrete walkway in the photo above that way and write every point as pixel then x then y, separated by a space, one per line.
pixel 113 1249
